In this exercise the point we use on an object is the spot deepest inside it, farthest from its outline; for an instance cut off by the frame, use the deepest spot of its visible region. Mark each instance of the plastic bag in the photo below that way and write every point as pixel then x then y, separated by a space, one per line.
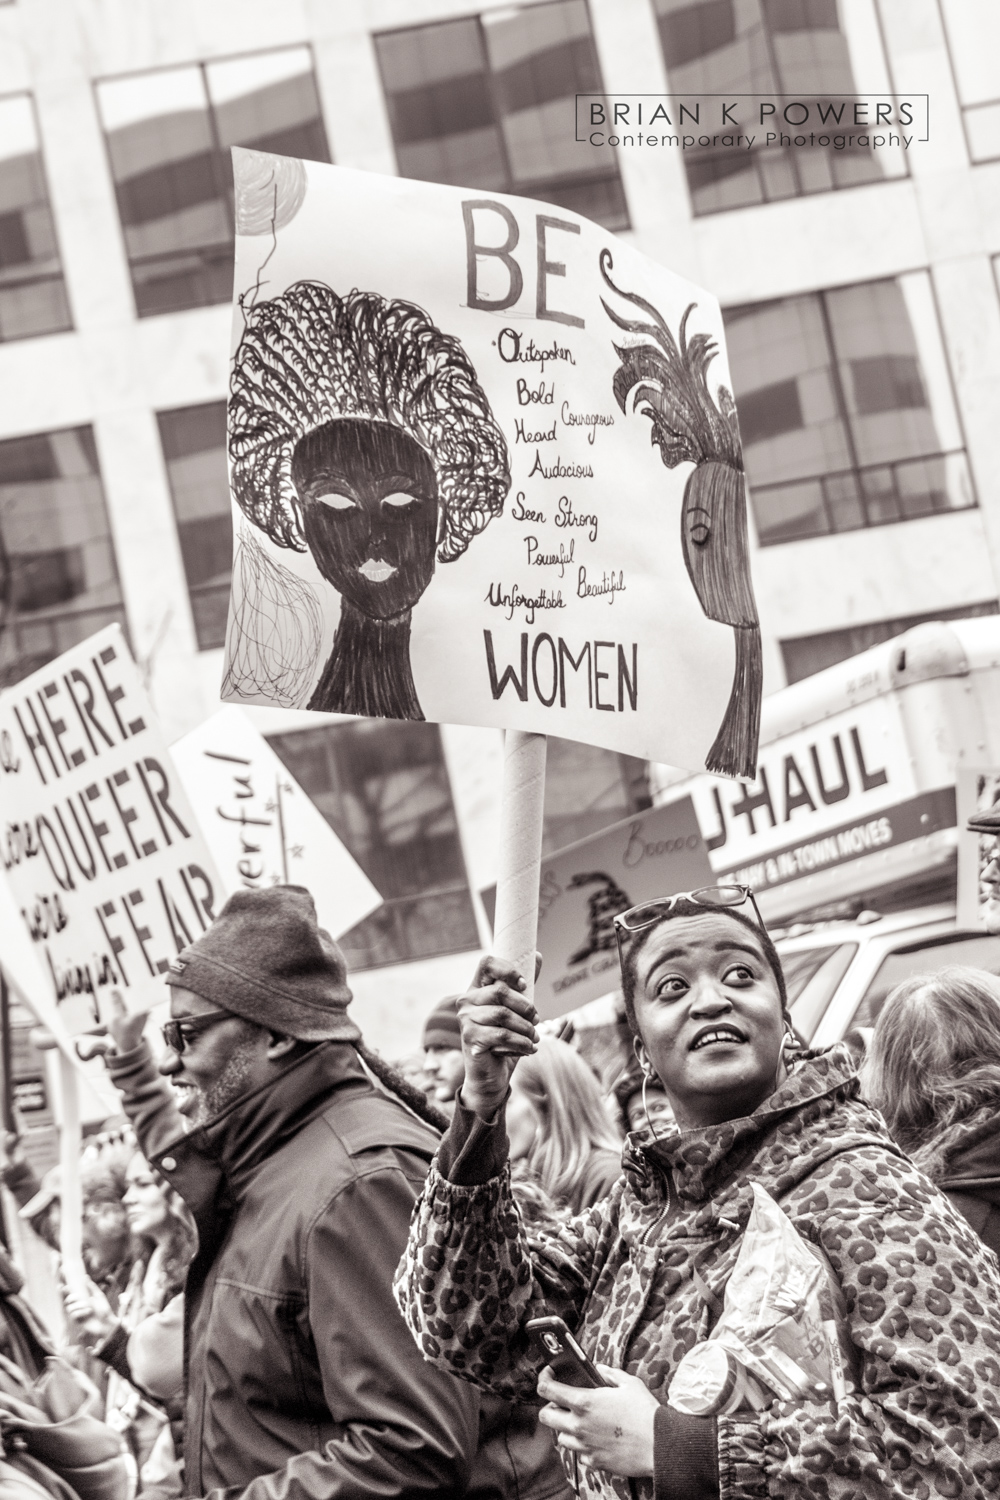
pixel 783 1330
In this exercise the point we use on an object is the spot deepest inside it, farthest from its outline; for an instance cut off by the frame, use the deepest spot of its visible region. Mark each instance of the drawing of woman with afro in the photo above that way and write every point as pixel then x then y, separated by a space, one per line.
pixel 358 432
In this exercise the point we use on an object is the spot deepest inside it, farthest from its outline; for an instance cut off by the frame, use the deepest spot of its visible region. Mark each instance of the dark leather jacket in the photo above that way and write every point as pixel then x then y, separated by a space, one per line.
pixel 303 1379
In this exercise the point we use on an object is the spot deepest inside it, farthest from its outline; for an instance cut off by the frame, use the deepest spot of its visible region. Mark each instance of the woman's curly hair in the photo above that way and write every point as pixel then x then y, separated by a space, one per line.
pixel 310 356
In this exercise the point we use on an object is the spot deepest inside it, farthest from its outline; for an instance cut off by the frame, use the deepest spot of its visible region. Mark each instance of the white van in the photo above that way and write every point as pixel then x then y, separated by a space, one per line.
pixel 839 973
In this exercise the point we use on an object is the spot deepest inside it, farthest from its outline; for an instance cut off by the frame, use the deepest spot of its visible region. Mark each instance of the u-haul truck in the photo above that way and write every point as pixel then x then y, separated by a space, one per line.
pixel 853 814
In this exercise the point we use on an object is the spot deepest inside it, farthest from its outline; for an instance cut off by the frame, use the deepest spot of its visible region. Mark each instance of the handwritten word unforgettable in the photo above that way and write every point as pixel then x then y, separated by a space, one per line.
pixel 511 599
pixel 568 517
pixel 611 584
pixel 593 420
pixel 512 351
pixel 548 677
pixel 560 559
pixel 559 470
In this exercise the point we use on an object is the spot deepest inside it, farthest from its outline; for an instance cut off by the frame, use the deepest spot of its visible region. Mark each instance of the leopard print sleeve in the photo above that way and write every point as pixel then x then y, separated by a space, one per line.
pixel 472 1276
pixel 923 1304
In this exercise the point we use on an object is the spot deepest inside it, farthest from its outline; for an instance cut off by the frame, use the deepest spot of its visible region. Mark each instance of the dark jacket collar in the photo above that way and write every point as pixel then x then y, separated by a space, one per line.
pixel 965 1156
pixel 212 1166
pixel 817 1109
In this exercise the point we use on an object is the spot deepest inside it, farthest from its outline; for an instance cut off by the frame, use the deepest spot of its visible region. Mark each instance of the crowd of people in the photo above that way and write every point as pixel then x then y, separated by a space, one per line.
pixel 310 1273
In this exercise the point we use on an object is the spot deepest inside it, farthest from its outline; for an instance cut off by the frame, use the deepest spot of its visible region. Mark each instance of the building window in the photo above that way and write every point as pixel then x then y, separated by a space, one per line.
pixel 488 102
pixel 32 290
pixel 973 31
pixel 768 48
pixel 384 789
pixel 846 409
pixel 58 577
pixel 169 134
pixel 587 789
pixel 194 446
pixel 806 654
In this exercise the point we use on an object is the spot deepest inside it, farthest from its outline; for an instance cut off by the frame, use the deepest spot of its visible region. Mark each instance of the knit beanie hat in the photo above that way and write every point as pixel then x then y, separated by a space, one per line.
pixel 265 958
pixel 441 1029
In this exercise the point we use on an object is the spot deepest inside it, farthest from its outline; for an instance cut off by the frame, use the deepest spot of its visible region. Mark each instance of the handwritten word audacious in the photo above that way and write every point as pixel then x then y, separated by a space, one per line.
pixel 511 599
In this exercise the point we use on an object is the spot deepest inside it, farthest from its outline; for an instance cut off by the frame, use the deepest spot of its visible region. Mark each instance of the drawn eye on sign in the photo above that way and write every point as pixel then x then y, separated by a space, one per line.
pixel 666 381
pixel 360 433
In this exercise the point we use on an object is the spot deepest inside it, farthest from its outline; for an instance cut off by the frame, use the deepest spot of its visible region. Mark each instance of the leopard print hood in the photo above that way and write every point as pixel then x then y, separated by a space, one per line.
pixel 814 1115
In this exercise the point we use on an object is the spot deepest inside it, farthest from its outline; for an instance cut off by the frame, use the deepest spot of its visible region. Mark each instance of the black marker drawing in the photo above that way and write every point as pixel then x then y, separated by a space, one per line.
pixel 359 432
pixel 668 384
pixel 275 629
pixel 603 906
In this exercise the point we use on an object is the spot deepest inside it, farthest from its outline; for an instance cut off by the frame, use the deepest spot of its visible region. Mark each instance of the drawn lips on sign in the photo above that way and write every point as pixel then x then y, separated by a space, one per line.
pixel 358 432
pixel 603 905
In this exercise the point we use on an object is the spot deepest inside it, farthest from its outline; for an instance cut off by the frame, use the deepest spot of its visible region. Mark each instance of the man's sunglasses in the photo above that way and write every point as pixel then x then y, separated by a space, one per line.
pixel 177 1034
pixel 711 897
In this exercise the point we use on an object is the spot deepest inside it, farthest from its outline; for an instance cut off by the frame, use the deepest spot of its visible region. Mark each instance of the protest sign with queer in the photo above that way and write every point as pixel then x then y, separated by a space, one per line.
pixel 107 866
pixel 261 827
pixel 584 886
pixel 486 469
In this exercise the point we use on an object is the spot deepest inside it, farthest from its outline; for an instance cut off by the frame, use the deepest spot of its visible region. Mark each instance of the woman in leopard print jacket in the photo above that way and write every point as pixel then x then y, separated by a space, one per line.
pixel 640 1277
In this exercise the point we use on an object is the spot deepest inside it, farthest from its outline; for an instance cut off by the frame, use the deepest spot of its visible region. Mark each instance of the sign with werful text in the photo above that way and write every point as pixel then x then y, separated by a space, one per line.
pixel 107 867
pixel 486 469
pixel 586 885
pixel 261 827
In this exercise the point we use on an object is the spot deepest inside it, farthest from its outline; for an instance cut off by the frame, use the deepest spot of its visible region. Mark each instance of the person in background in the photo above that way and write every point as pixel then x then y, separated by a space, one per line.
pixel 559 1128
pixel 642 1104
pixel 302 1160
pixel 986 822
pixel 933 1068
pixel 165 1232
pixel 444 1065
pixel 639 1278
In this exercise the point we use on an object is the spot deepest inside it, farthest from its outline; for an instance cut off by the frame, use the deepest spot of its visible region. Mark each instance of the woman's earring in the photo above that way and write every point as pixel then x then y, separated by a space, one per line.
pixel 645 1106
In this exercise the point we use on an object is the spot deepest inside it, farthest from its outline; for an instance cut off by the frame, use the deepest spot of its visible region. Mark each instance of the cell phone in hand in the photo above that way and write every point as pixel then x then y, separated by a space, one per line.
pixel 551 1338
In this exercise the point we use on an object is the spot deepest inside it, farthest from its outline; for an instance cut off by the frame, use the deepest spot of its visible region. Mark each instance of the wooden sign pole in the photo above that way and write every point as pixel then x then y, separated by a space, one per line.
pixel 516 925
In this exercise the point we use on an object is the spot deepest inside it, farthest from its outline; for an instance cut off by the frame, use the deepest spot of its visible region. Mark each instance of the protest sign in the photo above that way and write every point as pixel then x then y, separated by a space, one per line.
pixel 978 791
pixel 417 366
pixel 261 827
pixel 107 867
pixel 584 886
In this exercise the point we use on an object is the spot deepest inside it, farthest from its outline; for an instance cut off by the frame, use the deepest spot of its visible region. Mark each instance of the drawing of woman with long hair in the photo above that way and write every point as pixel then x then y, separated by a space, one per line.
pixel 359 432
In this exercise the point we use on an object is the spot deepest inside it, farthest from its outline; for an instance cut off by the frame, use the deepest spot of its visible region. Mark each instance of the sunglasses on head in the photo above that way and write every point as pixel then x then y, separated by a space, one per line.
pixel 177 1038
pixel 712 897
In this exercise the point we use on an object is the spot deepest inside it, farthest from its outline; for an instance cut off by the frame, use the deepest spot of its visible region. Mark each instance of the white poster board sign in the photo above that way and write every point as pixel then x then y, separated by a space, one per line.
pixel 261 827
pixel 106 864
pixel 486 470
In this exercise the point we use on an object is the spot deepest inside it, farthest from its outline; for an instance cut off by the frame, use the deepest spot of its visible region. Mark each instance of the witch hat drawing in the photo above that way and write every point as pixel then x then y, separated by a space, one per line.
pixel 359 432
pixel 666 382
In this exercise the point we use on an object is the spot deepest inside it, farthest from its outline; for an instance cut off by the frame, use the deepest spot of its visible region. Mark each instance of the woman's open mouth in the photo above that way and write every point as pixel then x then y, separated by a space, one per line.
pixel 713 1036
pixel 375 570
